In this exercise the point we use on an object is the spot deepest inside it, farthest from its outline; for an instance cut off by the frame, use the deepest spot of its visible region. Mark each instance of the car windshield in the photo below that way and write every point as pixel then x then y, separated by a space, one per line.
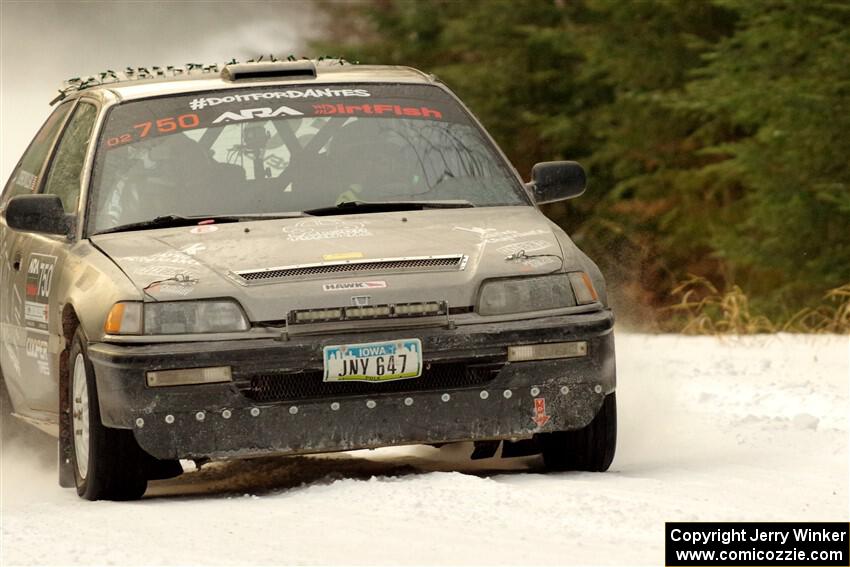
pixel 289 149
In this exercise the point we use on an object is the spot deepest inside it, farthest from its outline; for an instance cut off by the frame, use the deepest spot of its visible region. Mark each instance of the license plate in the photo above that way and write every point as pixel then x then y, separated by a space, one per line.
pixel 373 362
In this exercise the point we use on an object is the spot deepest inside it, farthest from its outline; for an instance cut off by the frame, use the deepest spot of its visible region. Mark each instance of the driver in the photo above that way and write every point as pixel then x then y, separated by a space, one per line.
pixel 368 161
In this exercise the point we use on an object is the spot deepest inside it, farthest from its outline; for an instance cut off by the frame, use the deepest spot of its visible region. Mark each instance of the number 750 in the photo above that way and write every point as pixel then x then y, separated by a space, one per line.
pixel 170 124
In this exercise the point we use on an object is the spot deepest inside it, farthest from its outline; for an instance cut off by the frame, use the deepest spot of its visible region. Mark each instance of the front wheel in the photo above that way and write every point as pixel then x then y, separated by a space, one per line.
pixel 108 463
pixel 588 449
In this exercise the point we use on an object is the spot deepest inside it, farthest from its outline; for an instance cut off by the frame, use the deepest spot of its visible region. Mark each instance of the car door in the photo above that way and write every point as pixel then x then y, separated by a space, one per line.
pixel 46 258
pixel 26 178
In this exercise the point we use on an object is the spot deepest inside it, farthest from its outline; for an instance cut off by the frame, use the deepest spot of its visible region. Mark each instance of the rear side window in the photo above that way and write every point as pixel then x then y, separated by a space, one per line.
pixel 63 177
pixel 25 177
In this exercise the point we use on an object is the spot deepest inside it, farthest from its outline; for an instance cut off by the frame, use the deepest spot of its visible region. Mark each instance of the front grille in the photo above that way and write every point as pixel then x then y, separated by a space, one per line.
pixel 280 387
pixel 413 264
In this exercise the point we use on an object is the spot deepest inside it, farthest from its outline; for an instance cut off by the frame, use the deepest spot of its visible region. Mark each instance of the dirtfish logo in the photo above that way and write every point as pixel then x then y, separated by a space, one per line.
pixel 251 113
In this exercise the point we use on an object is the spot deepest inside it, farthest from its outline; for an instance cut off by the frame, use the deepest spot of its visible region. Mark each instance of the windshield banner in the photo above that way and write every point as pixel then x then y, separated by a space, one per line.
pixel 137 121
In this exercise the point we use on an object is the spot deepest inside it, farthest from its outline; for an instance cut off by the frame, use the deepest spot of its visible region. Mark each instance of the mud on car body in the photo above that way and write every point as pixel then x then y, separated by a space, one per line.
pixel 293 258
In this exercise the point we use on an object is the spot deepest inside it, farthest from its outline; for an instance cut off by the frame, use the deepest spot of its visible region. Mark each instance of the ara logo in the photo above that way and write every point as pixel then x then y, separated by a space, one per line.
pixel 251 113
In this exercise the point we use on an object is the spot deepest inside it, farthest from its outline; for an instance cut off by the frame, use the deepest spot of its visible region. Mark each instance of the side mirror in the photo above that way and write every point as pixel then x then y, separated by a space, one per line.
pixel 38 213
pixel 553 181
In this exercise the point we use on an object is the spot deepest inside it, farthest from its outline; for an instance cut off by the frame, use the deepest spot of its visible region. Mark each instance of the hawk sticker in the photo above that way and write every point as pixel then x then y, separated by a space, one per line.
pixel 346 286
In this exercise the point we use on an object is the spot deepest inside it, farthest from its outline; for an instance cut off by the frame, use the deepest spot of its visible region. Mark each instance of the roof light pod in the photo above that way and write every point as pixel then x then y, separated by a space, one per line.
pixel 269 70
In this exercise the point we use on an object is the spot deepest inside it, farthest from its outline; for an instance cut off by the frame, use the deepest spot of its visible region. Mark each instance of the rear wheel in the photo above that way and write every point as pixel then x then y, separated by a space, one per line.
pixel 588 449
pixel 108 463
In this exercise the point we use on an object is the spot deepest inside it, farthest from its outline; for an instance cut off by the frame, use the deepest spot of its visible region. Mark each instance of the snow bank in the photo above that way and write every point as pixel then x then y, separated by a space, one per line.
pixel 710 429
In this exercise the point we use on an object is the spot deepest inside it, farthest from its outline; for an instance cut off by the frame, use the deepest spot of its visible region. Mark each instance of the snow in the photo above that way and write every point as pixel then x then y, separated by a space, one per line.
pixel 751 428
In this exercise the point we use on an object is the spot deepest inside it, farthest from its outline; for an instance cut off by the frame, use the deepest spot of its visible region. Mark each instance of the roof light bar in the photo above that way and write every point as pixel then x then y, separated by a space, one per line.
pixel 271 69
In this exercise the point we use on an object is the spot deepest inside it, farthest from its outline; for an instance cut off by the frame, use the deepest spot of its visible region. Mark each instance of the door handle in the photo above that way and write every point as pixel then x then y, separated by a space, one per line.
pixel 16 263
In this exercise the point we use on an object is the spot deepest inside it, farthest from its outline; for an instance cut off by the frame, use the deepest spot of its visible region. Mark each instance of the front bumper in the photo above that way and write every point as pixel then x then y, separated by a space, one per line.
pixel 220 421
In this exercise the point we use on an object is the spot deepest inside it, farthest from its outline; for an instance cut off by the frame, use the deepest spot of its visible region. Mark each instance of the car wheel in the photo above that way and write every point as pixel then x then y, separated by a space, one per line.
pixel 588 449
pixel 108 463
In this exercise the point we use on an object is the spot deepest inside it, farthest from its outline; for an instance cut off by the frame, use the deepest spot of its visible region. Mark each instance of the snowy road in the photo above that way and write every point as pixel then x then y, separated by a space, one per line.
pixel 735 429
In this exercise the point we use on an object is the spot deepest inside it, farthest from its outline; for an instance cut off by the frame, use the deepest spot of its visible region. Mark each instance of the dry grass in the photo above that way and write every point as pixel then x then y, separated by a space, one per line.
pixel 832 316
pixel 702 309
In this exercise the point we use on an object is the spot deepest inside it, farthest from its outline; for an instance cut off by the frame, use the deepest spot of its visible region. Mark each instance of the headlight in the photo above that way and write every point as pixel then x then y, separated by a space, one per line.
pixel 539 293
pixel 518 295
pixel 176 318
pixel 181 317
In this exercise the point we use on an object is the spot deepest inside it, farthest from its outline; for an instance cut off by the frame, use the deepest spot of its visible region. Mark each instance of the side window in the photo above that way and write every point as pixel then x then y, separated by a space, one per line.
pixel 25 177
pixel 63 177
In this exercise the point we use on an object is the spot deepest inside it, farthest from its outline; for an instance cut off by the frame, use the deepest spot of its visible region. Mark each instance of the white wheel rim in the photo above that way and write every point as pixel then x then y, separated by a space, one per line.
pixel 80 407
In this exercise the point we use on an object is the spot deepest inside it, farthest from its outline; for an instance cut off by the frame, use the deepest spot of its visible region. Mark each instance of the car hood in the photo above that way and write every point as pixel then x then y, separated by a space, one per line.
pixel 205 261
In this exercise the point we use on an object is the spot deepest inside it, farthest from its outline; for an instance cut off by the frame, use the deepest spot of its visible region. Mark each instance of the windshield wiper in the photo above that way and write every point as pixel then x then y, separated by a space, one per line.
pixel 168 221
pixel 386 206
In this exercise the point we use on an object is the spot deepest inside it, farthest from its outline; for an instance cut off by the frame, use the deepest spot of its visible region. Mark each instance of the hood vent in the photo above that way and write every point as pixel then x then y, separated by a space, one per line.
pixel 413 264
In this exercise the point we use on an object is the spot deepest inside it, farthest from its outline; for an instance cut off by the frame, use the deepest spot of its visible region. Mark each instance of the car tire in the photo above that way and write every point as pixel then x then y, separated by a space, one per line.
pixel 108 463
pixel 588 449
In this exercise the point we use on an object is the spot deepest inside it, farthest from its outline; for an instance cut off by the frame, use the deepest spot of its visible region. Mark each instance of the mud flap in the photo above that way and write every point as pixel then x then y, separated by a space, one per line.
pixel 159 469
pixel 522 448
pixel 484 450
pixel 66 470
pixel 66 467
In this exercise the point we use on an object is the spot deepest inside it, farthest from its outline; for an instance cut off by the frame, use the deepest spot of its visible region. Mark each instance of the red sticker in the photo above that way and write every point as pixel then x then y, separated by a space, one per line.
pixel 377 110
pixel 203 229
pixel 540 417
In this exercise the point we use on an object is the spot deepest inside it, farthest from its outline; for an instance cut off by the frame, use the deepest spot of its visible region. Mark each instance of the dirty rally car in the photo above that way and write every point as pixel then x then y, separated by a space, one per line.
pixel 291 258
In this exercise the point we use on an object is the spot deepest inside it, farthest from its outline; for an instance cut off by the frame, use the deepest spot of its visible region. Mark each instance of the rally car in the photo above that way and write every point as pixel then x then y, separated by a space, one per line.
pixel 292 257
